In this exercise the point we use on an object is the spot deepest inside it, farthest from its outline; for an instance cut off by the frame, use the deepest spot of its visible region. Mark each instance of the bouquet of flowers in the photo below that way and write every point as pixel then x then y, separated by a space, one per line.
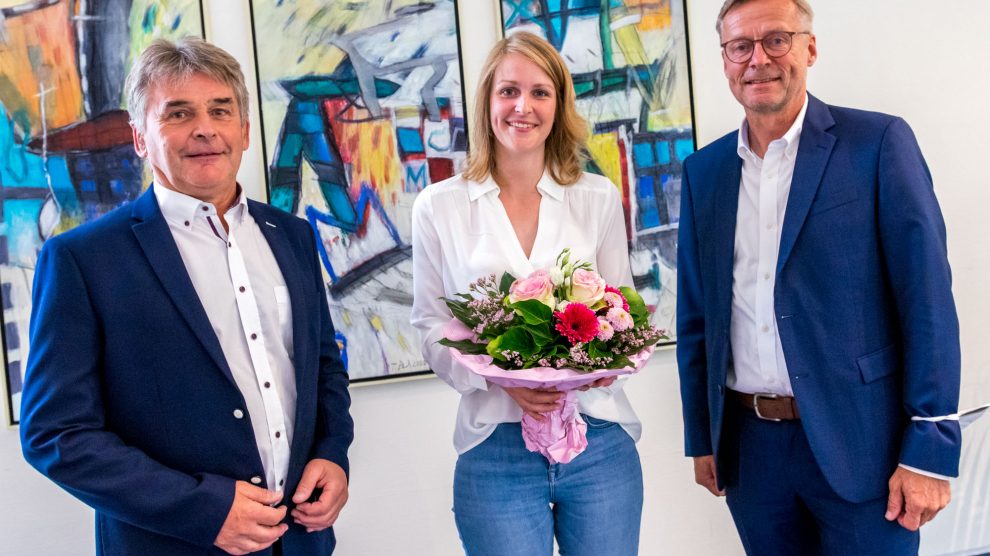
pixel 561 328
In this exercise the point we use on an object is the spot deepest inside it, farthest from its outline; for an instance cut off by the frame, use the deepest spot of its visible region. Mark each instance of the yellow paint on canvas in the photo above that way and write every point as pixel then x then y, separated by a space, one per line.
pixel 627 37
pixel 371 146
pixel 656 13
pixel 376 323
pixel 605 152
pixel 38 59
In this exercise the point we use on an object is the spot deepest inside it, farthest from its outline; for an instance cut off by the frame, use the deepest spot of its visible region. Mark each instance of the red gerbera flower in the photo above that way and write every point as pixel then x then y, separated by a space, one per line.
pixel 577 323
pixel 625 304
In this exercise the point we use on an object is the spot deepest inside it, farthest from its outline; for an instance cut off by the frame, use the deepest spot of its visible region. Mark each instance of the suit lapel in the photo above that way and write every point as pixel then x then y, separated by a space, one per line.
pixel 159 247
pixel 812 158
pixel 288 264
pixel 726 206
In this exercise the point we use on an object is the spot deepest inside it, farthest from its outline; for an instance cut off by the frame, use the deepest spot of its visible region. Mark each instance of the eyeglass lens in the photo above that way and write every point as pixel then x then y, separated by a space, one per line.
pixel 774 44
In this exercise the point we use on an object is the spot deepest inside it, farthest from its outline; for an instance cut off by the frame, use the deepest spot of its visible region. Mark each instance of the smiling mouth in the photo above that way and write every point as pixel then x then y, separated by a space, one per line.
pixel 521 125
pixel 762 80
pixel 203 155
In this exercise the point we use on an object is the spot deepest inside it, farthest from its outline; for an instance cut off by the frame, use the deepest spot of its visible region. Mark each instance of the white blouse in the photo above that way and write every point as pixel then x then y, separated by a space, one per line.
pixel 460 232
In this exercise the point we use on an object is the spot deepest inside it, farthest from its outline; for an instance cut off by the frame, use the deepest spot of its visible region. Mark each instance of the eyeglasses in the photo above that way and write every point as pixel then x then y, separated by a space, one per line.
pixel 775 44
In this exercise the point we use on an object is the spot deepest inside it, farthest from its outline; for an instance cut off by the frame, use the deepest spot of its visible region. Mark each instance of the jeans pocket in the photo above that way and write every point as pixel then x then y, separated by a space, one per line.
pixel 596 423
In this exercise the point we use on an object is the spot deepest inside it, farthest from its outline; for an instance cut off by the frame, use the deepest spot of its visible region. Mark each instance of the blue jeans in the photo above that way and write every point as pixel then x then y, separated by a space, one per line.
pixel 510 501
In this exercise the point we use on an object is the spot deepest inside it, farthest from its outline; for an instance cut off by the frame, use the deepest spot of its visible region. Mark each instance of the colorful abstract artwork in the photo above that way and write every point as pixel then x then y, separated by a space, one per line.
pixel 629 61
pixel 65 143
pixel 362 108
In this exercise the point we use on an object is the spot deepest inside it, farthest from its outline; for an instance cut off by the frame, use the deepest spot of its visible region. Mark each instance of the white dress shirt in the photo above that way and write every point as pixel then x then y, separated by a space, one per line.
pixel 758 359
pixel 461 232
pixel 240 285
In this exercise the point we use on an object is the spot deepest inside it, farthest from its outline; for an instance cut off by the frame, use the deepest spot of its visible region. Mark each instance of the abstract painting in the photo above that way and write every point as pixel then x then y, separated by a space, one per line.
pixel 629 61
pixel 361 109
pixel 65 142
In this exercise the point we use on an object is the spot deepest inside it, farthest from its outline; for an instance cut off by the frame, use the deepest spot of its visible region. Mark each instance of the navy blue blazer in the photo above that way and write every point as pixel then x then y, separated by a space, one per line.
pixel 128 400
pixel 863 299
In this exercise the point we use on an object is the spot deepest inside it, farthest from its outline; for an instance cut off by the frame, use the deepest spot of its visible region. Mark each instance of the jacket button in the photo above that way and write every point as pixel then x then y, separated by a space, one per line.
pixel 256 480
pixel 238 414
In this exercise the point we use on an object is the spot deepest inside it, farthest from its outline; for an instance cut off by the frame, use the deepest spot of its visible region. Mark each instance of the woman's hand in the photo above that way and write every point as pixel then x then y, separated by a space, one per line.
pixel 535 402
pixel 607 381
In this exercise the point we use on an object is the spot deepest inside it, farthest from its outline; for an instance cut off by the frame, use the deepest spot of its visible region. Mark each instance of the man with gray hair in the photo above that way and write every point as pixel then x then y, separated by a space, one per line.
pixel 183 379
pixel 818 344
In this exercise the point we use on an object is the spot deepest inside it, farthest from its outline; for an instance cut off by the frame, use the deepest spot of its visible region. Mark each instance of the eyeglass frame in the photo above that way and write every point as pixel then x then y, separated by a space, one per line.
pixel 790 35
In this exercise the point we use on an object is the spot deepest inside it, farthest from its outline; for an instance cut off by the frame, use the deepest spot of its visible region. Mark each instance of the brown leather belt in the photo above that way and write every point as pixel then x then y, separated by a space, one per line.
pixel 770 407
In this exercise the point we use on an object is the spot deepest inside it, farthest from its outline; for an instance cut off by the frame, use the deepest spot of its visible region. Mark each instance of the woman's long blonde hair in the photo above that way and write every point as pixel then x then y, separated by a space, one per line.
pixel 563 151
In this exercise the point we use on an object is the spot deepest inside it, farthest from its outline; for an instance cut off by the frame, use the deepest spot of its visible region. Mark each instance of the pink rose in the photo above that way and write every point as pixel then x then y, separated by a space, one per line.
pixel 537 286
pixel 587 287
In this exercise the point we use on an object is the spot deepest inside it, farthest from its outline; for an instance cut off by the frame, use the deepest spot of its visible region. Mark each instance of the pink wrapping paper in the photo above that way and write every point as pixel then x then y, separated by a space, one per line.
pixel 563 434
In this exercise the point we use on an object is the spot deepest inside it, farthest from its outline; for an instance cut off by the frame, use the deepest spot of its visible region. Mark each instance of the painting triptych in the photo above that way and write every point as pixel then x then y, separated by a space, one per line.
pixel 362 107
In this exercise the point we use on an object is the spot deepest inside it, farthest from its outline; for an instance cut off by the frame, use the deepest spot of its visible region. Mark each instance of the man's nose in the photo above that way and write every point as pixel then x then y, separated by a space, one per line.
pixel 760 56
pixel 205 126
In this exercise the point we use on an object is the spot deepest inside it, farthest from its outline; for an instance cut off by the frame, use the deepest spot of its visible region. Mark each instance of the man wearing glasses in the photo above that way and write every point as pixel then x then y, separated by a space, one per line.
pixel 818 342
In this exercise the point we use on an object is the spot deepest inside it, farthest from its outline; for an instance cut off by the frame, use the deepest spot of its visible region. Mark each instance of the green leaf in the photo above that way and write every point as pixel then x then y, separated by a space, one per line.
pixel 637 307
pixel 494 349
pixel 541 333
pixel 507 280
pixel 533 311
pixel 518 339
pixel 465 346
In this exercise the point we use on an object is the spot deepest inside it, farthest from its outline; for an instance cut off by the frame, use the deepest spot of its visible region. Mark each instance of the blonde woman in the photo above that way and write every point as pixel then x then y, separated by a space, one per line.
pixel 522 199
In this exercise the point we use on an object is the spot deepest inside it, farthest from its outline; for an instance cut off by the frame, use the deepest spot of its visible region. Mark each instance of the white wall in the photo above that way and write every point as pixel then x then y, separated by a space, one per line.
pixel 906 57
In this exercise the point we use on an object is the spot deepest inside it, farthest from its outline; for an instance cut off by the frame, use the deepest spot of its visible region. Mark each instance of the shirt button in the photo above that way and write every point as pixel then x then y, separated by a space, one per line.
pixel 769 226
pixel 205 208
pixel 268 384
pixel 238 414
pixel 281 482
pixel 256 480
pixel 230 244
pixel 187 222
pixel 241 289
pixel 278 434
pixel 765 328
pixel 254 336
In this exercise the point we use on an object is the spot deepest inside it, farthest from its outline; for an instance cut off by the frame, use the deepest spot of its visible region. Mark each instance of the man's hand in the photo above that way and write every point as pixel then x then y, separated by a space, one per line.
pixel 915 499
pixel 535 402
pixel 252 523
pixel 704 474
pixel 318 515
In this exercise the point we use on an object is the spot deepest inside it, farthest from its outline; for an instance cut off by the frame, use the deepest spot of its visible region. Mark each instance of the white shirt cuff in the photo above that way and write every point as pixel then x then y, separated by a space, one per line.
pixel 923 472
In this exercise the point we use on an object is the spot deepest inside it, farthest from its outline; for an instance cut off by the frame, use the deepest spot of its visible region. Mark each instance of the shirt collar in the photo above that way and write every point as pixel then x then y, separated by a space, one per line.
pixel 790 138
pixel 178 208
pixel 546 186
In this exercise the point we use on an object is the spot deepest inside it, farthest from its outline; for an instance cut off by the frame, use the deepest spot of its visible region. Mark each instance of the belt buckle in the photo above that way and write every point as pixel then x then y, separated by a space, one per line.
pixel 756 405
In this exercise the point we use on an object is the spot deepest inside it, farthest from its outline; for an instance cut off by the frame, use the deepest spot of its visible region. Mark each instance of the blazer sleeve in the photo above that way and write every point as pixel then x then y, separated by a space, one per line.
pixel 913 239
pixel 692 361
pixel 63 426
pixel 334 426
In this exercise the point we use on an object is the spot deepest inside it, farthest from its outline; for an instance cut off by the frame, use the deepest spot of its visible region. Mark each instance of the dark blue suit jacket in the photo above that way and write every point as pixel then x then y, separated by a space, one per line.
pixel 128 401
pixel 863 299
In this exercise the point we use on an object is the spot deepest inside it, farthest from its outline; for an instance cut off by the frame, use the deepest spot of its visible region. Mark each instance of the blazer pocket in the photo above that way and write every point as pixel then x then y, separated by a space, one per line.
pixel 878 364
pixel 834 200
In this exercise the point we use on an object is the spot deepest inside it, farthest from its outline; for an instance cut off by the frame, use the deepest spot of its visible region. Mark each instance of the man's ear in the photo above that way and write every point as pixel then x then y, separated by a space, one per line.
pixel 246 133
pixel 139 146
